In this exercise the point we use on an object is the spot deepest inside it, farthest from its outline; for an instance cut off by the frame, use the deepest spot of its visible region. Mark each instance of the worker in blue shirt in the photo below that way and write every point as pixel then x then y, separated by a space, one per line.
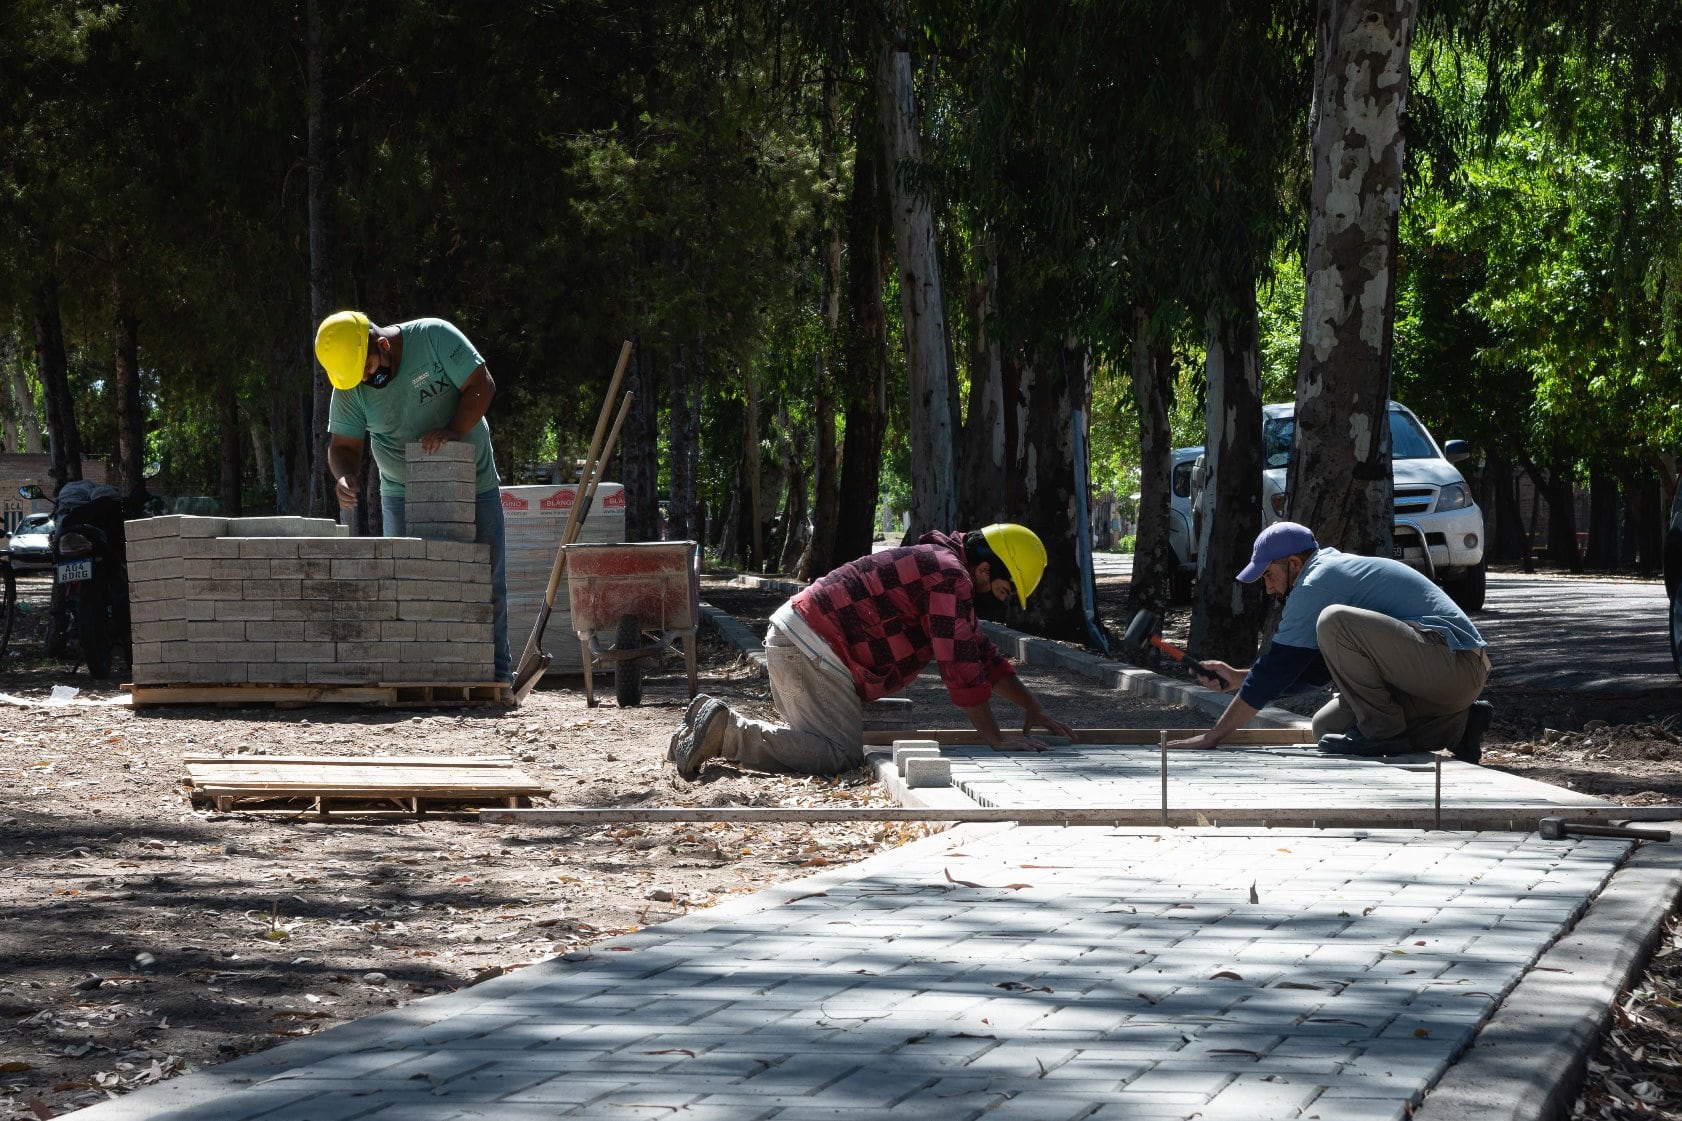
pixel 1407 663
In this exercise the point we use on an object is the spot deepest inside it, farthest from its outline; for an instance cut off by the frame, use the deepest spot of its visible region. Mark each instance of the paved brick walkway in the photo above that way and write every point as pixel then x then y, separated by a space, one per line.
pixel 1023 973
pixel 1282 778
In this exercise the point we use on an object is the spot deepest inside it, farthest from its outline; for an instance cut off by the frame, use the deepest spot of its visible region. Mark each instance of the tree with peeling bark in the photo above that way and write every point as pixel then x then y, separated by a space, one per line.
pixel 1339 481
pixel 934 503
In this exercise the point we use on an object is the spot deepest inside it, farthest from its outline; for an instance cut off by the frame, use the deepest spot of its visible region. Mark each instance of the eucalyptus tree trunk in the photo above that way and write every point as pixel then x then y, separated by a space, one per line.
pixel 1048 501
pixel 933 493
pixel 29 421
pixel 754 539
pixel 11 415
pixel 992 434
pixel 229 459
pixel 683 386
pixel 795 507
pixel 127 472
pixel 1153 555
pixel 1562 519
pixel 1226 616
pixel 320 494
pixel 260 462
pixel 1602 549
pixel 1339 483
pixel 64 440
pixel 639 448
pixel 826 500
pixel 866 349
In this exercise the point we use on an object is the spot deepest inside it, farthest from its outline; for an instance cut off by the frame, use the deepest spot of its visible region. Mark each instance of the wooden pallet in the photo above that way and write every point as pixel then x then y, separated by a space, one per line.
pixel 411 783
pixel 398 695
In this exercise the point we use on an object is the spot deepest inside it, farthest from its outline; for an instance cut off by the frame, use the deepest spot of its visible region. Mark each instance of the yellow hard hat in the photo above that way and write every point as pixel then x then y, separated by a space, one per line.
pixel 341 346
pixel 1022 552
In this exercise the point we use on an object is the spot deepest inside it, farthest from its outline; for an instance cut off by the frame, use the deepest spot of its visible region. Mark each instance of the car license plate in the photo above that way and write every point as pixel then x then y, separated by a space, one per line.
pixel 71 571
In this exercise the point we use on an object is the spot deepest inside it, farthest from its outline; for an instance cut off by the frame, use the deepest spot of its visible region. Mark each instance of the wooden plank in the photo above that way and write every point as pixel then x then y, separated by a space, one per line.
pixel 1125 737
pixel 367 792
pixel 230 780
pixel 358 760
pixel 1516 818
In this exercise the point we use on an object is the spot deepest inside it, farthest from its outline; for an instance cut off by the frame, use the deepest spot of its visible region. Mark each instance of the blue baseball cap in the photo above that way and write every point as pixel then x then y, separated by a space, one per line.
pixel 1276 542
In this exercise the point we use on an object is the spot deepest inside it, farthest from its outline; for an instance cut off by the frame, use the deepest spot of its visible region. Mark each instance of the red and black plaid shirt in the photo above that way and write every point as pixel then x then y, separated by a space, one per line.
pixel 887 615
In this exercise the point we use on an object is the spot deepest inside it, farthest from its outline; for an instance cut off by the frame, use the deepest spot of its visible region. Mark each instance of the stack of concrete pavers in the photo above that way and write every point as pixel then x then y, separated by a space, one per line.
pixel 293 601
pixel 535 518
pixel 438 499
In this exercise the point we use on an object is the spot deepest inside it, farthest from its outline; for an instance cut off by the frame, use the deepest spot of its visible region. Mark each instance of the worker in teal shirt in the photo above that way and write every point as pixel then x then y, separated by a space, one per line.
pixel 420 381
pixel 1407 663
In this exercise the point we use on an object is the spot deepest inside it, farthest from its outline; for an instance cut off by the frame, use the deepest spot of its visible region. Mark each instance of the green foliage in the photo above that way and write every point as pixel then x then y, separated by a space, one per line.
pixel 1534 282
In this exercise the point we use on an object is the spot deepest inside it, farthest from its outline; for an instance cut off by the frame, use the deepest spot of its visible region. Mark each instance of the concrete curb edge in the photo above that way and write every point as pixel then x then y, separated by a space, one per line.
pixel 1552 1019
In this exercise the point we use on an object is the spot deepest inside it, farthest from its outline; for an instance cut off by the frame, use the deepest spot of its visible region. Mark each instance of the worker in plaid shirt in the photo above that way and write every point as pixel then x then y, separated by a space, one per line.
pixel 866 631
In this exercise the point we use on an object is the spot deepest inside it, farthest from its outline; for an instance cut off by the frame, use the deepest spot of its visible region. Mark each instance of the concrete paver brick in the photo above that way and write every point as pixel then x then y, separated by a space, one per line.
pixel 1357 1109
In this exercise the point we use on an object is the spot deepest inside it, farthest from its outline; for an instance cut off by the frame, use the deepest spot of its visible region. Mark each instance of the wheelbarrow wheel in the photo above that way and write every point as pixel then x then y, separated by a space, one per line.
pixel 627 672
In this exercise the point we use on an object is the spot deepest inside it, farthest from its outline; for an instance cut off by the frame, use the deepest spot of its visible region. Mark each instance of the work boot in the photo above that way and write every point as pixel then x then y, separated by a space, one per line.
pixel 1478 717
pixel 1354 743
pixel 701 738
pixel 685 724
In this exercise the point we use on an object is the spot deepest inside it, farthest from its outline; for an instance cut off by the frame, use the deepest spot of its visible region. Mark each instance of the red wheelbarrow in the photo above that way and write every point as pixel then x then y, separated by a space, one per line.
pixel 647 594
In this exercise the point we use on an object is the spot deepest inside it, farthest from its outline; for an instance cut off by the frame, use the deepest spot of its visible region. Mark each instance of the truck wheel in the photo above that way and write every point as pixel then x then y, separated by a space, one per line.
pixel 1468 590
pixel 627 674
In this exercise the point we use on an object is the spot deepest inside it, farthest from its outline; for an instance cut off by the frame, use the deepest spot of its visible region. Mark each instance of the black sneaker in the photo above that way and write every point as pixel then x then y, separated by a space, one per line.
pixel 1478 717
pixel 701 739
pixel 1354 743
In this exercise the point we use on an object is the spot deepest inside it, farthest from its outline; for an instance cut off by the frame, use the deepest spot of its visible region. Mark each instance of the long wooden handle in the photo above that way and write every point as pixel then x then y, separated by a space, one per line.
pixel 576 514
pixel 586 491
pixel 588 494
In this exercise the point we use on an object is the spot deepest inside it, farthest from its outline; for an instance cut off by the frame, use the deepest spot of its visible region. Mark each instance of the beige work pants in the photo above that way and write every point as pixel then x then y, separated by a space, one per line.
pixel 814 693
pixel 1395 680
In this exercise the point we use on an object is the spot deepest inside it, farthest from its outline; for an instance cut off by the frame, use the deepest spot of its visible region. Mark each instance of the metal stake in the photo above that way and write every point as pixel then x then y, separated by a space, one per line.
pixel 1437 819
pixel 1164 741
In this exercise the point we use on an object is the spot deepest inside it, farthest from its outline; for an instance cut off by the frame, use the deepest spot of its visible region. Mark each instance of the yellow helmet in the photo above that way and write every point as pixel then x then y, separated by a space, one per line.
pixel 341 346
pixel 1021 551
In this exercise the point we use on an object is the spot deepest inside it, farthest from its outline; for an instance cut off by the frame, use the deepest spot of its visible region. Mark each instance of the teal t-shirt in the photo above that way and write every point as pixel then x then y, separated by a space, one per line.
pixel 437 361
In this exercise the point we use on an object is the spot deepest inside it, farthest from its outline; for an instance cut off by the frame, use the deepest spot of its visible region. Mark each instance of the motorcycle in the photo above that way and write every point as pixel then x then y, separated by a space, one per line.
pixel 90 575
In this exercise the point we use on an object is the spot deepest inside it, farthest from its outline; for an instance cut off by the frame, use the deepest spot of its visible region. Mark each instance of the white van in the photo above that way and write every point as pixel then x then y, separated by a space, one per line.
pixel 1439 528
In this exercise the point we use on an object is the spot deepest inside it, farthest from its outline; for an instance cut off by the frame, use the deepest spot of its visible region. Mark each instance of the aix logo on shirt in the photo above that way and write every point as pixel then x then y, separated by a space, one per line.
pixel 431 385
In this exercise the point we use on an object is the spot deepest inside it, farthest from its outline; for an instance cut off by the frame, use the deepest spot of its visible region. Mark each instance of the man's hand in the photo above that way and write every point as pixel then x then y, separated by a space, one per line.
pixel 1206 740
pixel 437 438
pixel 346 486
pixel 1034 715
pixel 1231 676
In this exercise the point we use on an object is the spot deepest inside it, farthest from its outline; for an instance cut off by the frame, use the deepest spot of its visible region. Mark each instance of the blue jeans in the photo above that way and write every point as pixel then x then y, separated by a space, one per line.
pixel 487 530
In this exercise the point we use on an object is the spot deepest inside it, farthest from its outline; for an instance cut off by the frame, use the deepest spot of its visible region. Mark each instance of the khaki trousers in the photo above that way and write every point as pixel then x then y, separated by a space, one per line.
pixel 814 693
pixel 1395 680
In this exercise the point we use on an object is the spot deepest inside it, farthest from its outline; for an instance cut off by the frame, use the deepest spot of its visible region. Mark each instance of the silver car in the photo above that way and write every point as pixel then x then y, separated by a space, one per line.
pixel 31 544
pixel 1439 528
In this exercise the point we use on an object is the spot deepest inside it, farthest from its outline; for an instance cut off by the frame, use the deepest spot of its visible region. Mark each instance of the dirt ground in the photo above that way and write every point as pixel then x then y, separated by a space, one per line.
pixel 141 936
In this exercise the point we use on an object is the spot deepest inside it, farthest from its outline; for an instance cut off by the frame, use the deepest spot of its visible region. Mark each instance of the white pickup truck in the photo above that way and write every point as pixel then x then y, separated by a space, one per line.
pixel 1439 528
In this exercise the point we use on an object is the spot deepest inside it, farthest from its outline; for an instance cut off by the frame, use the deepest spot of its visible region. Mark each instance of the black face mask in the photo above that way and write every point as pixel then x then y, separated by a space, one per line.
pixel 381 379
pixel 987 607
